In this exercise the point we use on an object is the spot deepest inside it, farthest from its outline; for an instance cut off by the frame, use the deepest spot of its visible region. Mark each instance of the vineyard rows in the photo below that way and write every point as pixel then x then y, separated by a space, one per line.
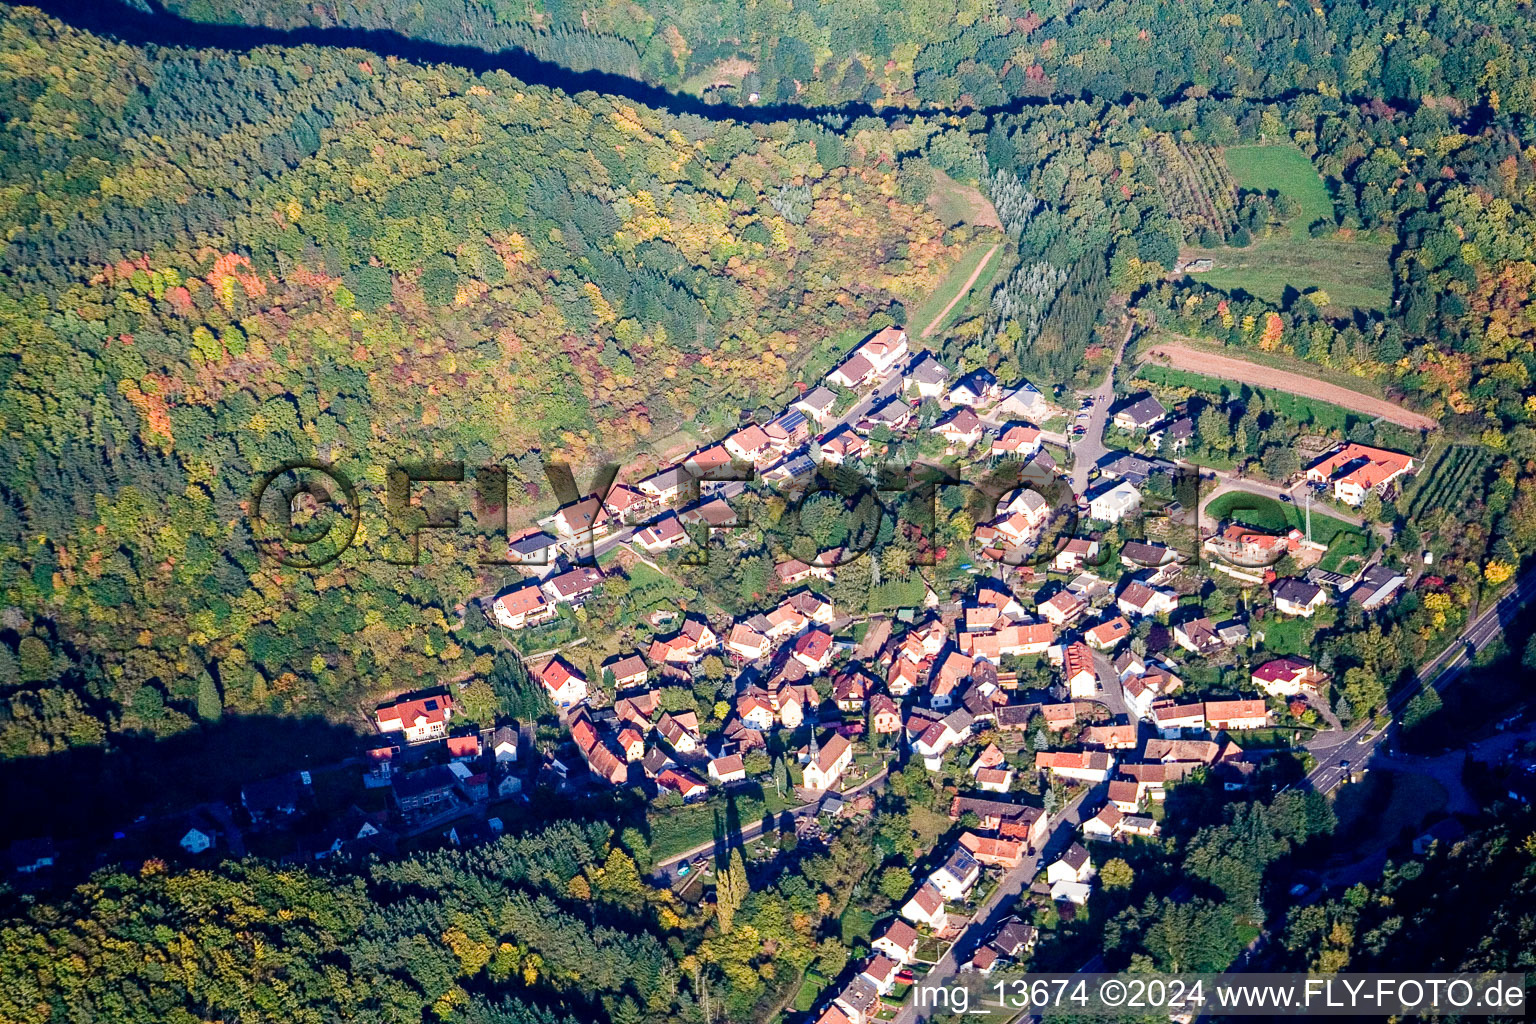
pixel 1195 182
pixel 1455 478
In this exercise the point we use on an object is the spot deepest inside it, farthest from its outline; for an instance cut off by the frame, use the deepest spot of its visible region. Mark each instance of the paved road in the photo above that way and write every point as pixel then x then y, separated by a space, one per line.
pixel 1089 448
pixel 1359 744
pixel 991 915
pixel 666 870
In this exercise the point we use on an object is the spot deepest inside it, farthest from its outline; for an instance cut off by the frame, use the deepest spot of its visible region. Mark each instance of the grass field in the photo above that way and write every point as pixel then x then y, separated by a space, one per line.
pixel 1263 513
pixel 954 203
pixel 1317 415
pixel 919 319
pixel 1353 270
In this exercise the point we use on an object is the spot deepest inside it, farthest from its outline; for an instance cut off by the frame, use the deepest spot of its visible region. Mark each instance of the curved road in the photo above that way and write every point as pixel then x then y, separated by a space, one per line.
pixel 1360 744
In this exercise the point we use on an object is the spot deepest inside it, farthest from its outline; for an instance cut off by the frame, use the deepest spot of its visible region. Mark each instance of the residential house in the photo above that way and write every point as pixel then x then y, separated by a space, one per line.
pixel 418 719
pixel 1356 470
pixel 951 670
pixel 898 941
pixel 814 607
pixel 795 703
pixel 1111 737
pixel 817 404
pixel 1026 402
pixel 628 671
pixel 1077 670
pixel 885 349
pixel 1135 554
pixel 1062 608
pixel 426 793
pixel 787 430
pixel 974 389
pixel 993 851
pixel 1074 865
pixel 582 520
pixel 565 685
pixel 755 712
pixel 939 736
pixel 1171 751
pixel 1295 596
pixel 893 414
pixel 955 878
pixel 1198 636
pixel 727 769
pixel 631 743
pixel 523 606
pixel 1017 440
pixel 1106 823
pixel 681 731
pixel 1376 587
pixel 712 463
pixel 746 642
pixel 716 513
pixel 669 484
pixel 575 586
pixel 1015 940
pixel 859 999
pixel 1172 719
pixel 464 748
pixel 885 714
pixel 638 708
pixel 960 427
pixel 1106 636
pixel 531 547
pixel 827 762
pixel 1115 503
pixel 795 571
pixel 927 376
pixel 504 742
pixel 1140 601
pixel 1234 715
pixel 1082 765
pixel 623 502
pixel 926 908
pixel 843 444
pixel 1141 414
pixel 684 783
pixel 1009 820
pixel 662 534
pixel 1074 554
pixel 850 690
pixel 881 972
pixel 813 650
pixel 1124 795
pixel 1059 717
pixel 1286 676
pixel 689 644
pixel 1173 438
pixel 749 444
pixel 201 833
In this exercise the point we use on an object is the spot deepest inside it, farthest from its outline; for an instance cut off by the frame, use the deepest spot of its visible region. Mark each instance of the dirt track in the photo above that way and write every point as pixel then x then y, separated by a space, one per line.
pixel 933 325
pixel 1181 357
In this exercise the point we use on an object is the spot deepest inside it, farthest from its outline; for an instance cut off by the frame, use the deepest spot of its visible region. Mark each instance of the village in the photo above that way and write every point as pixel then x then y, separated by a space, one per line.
pixel 1078 676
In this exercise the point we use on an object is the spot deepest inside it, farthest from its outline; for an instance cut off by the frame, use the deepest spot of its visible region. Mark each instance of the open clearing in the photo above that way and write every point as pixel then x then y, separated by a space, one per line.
pixel 1352 268
pixel 1228 368
pixel 954 203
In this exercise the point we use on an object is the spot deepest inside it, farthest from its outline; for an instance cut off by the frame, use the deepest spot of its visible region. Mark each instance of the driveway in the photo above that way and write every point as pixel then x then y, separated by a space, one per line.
pixel 1089 449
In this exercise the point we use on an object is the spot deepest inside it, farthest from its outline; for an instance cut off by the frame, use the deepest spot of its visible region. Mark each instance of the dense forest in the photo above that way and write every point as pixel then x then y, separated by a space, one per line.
pixel 979 53
pixel 217 262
